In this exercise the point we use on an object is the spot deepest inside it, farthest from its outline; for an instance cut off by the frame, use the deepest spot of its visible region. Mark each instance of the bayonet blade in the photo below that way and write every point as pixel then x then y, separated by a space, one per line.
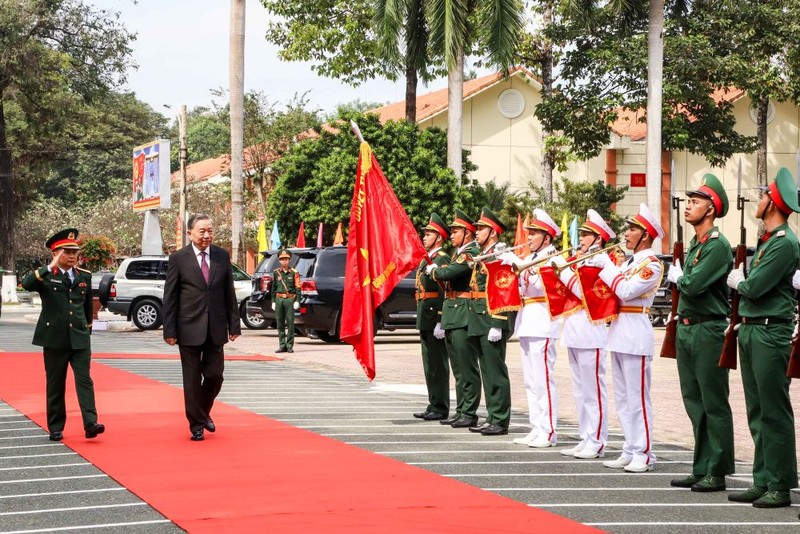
pixel 739 181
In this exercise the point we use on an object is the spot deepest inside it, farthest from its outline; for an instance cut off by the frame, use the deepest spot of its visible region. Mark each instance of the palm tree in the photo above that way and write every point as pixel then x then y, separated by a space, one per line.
pixel 457 26
pixel 236 82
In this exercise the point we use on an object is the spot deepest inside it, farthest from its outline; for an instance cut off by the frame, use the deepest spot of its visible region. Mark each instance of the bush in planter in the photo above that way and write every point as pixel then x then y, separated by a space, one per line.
pixel 97 252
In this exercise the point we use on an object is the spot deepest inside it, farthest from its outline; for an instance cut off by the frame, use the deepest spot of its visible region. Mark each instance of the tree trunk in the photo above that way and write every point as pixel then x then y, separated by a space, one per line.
pixel 236 82
pixel 762 107
pixel 548 156
pixel 655 64
pixel 411 91
pixel 6 197
pixel 455 106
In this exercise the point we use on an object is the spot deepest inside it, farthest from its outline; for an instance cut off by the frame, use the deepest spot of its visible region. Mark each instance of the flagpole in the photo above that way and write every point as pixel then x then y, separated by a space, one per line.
pixel 356 130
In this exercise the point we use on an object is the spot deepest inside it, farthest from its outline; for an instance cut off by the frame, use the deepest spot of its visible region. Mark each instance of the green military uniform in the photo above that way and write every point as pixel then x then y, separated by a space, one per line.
pixel 285 291
pixel 430 296
pixel 702 312
pixel 491 355
pixel 765 336
pixel 64 333
pixel 455 320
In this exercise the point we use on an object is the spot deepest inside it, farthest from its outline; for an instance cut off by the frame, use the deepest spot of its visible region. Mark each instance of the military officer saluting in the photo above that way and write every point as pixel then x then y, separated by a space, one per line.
pixel 430 296
pixel 64 331
pixel 285 291
pixel 455 320
pixel 765 336
pixel 702 313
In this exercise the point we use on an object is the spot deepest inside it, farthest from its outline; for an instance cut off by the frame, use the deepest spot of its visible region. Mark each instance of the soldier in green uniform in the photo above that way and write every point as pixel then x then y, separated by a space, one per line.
pixel 455 320
pixel 489 334
pixel 765 337
pixel 64 330
pixel 285 291
pixel 702 313
pixel 430 295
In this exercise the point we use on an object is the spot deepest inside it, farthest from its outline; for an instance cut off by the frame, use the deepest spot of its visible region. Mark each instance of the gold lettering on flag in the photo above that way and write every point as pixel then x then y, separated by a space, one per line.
pixel 381 279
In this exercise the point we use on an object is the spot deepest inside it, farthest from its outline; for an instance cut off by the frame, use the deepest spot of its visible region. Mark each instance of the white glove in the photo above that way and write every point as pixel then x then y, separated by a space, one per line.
pixel 598 260
pixel 495 334
pixel 430 268
pixel 796 280
pixel 438 331
pixel 735 328
pixel 670 318
pixel 296 305
pixel 509 258
pixel 675 272
pixel 736 277
pixel 500 247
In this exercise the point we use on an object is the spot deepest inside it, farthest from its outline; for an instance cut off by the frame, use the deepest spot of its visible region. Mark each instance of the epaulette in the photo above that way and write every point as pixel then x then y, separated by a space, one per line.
pixel 441 253
pixel 781 233
pixel 83 270
pixel 294 270
pixel 714 235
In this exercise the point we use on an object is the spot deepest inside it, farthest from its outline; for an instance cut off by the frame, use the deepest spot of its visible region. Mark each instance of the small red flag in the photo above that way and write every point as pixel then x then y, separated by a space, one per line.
pixel 319 236
pixel 301 236
pixel 560 300
pixel 338 238
pixel 521 236
pixel 600 302
pixel 382 247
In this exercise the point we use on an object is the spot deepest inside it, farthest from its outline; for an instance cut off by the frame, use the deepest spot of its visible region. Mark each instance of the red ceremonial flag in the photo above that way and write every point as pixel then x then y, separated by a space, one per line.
pixel 600 302
pixel 382 247
pixel 560 300
pixel 319 236
pixel 301 236
pixel 338 237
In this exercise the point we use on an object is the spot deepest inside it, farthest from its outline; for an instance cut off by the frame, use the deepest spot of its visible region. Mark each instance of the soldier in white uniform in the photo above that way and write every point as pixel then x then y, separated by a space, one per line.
pixel 537 333
pixel 630 339
pixel 586 345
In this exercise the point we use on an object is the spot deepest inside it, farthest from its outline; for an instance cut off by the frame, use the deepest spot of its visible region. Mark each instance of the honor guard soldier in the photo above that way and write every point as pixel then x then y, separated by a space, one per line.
pixel 455 320
pixel 702 318
pixel 586 345
pixel 64 331
pixel 537 333
pixel 488 334
pixel 765 335
pixel 285 292
pixel 630 338
pixel 430 296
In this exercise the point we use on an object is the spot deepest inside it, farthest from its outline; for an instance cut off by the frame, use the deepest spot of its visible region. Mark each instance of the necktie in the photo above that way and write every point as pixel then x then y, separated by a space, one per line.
pixel 204 265
pixel 71 276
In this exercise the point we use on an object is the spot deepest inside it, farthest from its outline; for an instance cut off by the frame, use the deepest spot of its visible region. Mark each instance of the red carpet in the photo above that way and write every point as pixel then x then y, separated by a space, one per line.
pixel 228 357
pixel 257 474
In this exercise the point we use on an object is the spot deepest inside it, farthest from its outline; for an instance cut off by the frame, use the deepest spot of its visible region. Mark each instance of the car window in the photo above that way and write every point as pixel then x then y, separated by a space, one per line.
pixel 304 266
pixel 146 270
pixel 331 264
pixel 238 274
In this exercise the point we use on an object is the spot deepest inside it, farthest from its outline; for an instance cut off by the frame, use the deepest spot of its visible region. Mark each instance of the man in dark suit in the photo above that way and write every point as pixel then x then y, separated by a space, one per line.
pixel 64 330
pixel 200 315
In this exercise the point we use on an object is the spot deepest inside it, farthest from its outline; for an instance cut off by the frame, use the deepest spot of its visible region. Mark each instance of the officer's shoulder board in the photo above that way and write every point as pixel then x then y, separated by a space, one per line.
pixel 441 253
pixel 780 233
pixel 295 271
pixel 714 235
pixel 83 270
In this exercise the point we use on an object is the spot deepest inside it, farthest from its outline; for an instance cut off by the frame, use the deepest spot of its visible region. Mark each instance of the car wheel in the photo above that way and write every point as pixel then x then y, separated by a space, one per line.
pixel 252 320
pixel 104 288
pixel 327 337
pixel 146 315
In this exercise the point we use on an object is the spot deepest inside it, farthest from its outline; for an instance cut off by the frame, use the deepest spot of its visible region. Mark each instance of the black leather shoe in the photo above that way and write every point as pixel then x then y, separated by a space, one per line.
pixel 481 428
pixel 494 430
pixel 94 429
pixel 465 422
pixel 435 416
pixel 687 482
pixel 210 426
pixel 280 350
pixel 450 420
pixel 198 435
pixel 421 415
pixel 289 350
pixel 56 436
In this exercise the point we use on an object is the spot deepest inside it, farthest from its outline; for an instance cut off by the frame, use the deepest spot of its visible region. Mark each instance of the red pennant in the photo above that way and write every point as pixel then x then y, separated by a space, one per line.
pixel 560 299
pixel 301 236
pixel 502 288
pixel 601 303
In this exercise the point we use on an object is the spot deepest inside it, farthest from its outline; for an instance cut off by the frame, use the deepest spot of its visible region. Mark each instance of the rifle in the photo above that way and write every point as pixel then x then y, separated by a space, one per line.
pixel 668 347
pixel 727 359
pixel 793 370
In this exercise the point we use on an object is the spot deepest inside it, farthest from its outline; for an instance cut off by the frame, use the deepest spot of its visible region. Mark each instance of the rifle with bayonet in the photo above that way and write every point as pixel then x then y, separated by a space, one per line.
pixel 668 349
pixel 793 370
pixel 727 359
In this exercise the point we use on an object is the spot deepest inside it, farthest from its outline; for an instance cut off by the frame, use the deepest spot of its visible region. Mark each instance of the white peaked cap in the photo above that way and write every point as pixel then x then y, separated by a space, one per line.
pixel 595 223
pixel 645 219
pixel 542 221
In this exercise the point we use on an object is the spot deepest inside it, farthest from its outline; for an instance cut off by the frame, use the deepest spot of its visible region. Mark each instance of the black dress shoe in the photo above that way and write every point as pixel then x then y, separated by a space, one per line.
pixel 481 428
pixel 210 426
pixel 450 420
pixel 94 429
pixel 198 435
pixel 421 415
pixel 494 430
pixel 435 416
pixel 280 350
pixel 465 422
pixel 56 436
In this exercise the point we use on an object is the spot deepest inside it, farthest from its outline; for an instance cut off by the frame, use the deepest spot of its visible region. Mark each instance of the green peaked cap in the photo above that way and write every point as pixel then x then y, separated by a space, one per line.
pixel 490 219
pixel 436 224
pixel 786 189
pixel 711 188
pixel 462 220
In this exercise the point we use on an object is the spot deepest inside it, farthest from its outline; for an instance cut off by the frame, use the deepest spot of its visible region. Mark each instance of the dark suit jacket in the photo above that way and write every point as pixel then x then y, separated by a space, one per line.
pixel 194 309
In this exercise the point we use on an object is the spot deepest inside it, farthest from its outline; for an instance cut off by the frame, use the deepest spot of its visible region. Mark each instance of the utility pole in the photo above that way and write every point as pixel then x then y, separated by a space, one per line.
pixel 183 156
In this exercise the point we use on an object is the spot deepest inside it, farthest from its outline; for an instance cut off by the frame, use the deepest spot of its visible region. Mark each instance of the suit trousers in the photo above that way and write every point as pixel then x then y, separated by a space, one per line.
pixel 588 370
pixel 55 366
pixel 202 380
pixel 632 379
pixel 437 371
pixel 538 362
pixel 464 362
pixel 764 355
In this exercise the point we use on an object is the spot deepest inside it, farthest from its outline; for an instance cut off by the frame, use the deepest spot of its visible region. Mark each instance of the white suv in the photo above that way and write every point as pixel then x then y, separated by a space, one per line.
pixel 136 291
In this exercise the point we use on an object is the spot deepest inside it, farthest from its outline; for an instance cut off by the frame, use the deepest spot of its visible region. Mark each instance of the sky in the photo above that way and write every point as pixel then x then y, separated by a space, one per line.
pixel 182 54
